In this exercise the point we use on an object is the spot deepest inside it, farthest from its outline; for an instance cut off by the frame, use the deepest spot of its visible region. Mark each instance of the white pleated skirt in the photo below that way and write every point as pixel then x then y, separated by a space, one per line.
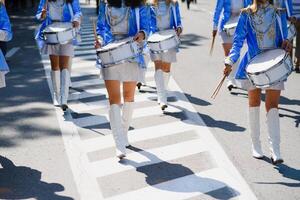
pixel 58 49
pixel 246 84
pixel 168 57
pixel 225 38
pixel 2 80
pixel 125 72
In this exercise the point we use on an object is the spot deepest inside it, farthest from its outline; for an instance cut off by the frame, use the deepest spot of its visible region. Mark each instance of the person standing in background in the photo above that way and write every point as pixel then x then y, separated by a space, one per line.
pixel 296 19
pixel 5 36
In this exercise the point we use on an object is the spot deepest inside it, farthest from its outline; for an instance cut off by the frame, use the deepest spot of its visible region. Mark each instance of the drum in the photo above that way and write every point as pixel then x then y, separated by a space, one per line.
pixel 59 33
pixel 230 26
pixel 269 68
pixel 118 52
pixel 163 41
pixel 291 31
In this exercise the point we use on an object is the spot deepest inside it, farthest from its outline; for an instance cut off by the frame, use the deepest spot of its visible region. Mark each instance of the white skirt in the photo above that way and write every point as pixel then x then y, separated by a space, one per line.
pixel 2 80
pixel 124 72
pixel 58 49
pixel 168 57
pixel 225 38
pixel 247 85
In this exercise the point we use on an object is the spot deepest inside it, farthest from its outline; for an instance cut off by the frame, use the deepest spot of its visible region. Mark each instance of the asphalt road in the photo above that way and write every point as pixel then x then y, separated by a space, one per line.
pixel 48 155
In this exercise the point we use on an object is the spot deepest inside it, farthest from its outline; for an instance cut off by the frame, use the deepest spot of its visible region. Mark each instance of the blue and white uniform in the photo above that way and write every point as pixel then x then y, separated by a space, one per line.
pixel 231 9
pixel 262 31
pixel 58 11
pixel 5 36
pixel 164 17
pixel 120 23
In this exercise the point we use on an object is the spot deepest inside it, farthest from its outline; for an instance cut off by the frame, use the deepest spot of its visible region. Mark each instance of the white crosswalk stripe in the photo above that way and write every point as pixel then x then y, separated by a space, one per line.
pixel 88 108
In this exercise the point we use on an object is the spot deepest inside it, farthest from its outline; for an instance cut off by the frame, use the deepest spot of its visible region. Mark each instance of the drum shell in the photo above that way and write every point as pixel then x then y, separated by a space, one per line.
pixel 273 75
pixel 118 54
pixel 164 45
pixel 230 31
pixel 62 37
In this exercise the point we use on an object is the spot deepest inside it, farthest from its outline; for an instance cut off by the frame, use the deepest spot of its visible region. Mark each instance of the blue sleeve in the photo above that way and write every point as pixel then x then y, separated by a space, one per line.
pixel 77 10
pixel 103 28
pixel 290 7
pixel 283 17
pixel 144 20
pixel 218 10
pixel 39 10
pixel 5 24
pixel 178 16
pixel 238 40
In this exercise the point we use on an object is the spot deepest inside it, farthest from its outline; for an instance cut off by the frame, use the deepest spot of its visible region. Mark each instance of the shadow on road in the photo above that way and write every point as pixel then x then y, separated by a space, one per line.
pixel 20 182
pixel 158 174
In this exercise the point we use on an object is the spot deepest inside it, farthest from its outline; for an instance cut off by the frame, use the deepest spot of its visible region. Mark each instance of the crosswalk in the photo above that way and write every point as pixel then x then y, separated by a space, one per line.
pixel 173 156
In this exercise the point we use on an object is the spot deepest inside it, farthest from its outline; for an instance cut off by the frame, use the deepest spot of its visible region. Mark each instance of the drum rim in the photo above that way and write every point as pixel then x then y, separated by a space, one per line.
pixel 119 62
pixel 274 66
pixel 171 30
pixel 53 32
pixel 100 50
pixel 272 83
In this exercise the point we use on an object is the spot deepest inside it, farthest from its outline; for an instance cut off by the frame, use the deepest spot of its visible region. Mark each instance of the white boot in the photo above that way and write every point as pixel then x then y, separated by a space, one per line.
pixel 65 82
pixel 127 118
pixel 70 71
pixel 55 78
pixel 254 127
pixel 274 135
pixel 161 90
pixel 117 130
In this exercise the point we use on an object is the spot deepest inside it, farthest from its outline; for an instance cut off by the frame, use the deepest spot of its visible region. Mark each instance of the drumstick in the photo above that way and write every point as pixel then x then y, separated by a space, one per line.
pixel 212 45
pixel 216 91
pixel 95 31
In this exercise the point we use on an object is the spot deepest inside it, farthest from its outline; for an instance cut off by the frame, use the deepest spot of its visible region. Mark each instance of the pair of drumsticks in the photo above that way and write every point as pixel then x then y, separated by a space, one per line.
pixel 216 91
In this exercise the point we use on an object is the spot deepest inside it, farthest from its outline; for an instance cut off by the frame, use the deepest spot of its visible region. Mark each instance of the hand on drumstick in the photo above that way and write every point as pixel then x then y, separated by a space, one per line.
pixel 44 14
pixel 139 37
pixel 293 20
pixel 75 24
pixel 214 33
pixel 97 44
pixel 287 46
pixel 227 70
pixel 178 31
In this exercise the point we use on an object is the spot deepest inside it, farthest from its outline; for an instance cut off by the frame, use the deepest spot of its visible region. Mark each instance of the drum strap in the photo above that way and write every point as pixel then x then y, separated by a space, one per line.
pixel 174 15
pixel 71 10
pixel 287 8
pixel 280 25
pixel 137 18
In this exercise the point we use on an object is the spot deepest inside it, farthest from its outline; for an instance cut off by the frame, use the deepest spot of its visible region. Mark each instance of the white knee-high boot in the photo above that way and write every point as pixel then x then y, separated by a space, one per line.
pixel 65 82
pixel 127 113
pixel 254 127
pixel 117 130
pixel 55 78
pixel 274 135
pixel 158 76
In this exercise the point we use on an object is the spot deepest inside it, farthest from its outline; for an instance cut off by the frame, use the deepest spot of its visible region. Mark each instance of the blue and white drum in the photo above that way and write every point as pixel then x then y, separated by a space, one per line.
pixel 163 41
pixel 269 68
pixel 118 52
pixel 59 33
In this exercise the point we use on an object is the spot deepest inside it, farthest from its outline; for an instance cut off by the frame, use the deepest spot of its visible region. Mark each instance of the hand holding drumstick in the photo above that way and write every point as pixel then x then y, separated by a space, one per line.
pixel 97 43
pixel 44 11
pixel 226 72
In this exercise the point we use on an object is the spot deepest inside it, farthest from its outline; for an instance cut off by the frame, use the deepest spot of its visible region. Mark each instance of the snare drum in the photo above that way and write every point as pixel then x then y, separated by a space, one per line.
pixel 59 33
pixel 292 32
pixel 118 52
pixel 163 41
pixel 230 26
pixel 269 68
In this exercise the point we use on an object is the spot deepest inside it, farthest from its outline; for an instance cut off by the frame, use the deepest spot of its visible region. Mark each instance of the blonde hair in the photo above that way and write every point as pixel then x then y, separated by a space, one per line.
pixel 155 2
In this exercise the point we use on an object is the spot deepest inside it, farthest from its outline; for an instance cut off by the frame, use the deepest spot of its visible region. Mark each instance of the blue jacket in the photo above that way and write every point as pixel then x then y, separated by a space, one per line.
pixel 5 23
pixel 106 36
pixel 175 18
pixel 244 31
pixel 225 6
pixel 67 16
